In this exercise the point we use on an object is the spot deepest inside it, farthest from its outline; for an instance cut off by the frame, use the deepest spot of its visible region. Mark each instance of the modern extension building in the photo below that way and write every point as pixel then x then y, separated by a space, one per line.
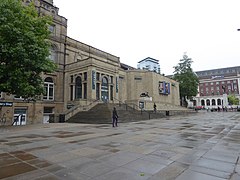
pixel 85 76
pixel 216 84
pixel 149 64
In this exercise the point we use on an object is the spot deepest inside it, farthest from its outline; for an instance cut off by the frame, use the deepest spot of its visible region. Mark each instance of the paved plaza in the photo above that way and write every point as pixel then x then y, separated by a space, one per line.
pixel 199 146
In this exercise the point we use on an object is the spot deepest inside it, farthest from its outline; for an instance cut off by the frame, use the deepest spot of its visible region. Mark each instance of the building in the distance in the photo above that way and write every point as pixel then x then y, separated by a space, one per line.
pixel 215 85
pixel 149 64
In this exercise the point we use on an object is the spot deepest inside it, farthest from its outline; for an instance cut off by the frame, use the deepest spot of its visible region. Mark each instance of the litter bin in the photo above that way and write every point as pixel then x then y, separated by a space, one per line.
pixel 62 118
pixel 167 113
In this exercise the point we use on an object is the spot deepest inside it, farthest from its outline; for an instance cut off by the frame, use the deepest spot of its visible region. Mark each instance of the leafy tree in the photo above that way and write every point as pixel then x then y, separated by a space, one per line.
pixel 233 100
pixel 24 49
pixel 188 80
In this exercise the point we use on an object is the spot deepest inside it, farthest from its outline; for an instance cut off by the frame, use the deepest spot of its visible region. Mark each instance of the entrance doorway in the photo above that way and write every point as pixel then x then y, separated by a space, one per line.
pixel 20 117
pixel 104 90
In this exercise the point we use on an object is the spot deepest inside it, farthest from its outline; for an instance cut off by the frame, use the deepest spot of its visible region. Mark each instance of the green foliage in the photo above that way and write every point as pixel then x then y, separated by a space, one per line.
pixel 188 80
pixel 24 49
pixel 233 100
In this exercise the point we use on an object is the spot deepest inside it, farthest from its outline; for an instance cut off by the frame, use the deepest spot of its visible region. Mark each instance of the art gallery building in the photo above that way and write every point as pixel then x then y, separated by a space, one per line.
pixel 85 76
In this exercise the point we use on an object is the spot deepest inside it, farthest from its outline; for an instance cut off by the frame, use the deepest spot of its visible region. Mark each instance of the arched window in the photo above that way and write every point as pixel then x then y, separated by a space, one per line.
pixel 49 89
pixel 208 102
pixel 78 88
pixel 202 102
pixel 53 53
pixel 219 102
pixel 213 102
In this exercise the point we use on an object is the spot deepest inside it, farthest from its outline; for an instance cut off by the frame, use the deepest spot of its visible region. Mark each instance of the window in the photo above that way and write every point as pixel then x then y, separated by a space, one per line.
pixel 213 102
pixel 52 29
pixel 98 76
pixel 111 79
pixel 78 88
pixel 85 90
pixel 53 54
pixel 49 89
pixel 85 76
pixel 217 82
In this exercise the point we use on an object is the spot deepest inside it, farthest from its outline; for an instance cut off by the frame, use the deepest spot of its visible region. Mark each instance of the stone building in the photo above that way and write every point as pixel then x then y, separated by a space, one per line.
pixel 85 76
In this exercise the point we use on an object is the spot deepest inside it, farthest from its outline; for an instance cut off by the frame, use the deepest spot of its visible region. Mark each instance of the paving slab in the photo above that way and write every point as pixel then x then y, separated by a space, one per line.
pixel 204 145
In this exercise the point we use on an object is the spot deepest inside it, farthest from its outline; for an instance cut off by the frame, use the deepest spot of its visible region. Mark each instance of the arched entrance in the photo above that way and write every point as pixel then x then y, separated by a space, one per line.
pixel 104 90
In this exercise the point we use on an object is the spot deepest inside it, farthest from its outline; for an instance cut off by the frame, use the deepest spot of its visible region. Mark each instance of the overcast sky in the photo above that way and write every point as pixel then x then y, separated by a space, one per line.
pixel 161 29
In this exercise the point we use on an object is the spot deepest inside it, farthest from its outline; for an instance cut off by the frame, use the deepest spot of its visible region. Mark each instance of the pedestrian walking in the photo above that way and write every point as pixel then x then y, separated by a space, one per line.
pixel 154 107
pixel 114 117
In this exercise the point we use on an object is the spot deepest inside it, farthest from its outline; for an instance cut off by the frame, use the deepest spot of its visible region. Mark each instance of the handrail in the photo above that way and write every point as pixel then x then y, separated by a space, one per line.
pixel 72 109
pixel 127 104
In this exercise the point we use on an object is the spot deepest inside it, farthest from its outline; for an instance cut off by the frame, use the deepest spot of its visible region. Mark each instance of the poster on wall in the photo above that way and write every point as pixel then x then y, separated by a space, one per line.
pixel 164 87
pixel 160 87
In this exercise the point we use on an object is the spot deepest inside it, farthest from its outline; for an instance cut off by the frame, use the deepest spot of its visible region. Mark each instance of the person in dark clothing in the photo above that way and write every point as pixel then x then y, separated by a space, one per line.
pixel 155 108
pixel 114 117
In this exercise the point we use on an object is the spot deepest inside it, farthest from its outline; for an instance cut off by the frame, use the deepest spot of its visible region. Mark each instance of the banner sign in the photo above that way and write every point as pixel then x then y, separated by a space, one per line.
pixel 6 104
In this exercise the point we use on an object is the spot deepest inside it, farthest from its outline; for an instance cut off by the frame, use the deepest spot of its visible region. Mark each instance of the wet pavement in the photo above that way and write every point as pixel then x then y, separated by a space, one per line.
pixel 201 146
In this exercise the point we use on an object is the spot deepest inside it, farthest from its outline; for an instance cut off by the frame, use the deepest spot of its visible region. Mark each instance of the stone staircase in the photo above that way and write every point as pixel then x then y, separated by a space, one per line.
pixel 102 114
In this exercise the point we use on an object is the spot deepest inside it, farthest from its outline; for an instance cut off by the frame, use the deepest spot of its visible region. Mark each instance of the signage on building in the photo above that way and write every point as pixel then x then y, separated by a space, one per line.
pixel 6 104
pixel 93 79
pixel 217 77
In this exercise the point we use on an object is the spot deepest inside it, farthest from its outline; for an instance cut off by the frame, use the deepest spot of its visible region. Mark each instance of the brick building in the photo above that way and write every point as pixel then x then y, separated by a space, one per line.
pixel 216 84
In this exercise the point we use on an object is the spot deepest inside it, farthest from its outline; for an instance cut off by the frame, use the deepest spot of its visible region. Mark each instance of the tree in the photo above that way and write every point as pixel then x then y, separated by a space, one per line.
pixel 233 100
pixel 188 80
pixel 24 49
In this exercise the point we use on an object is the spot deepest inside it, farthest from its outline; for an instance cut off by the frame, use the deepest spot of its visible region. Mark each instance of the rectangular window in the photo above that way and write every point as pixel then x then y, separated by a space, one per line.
pixel 48 110
pixel 111 79
pixel 98 91
pixel 234 86
pixel 71 92
pixel 52 29
pixel 98 76
pixel 85 90
pixel 217 82
pixel 49 91
pixel 85 76
pixel 111 92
